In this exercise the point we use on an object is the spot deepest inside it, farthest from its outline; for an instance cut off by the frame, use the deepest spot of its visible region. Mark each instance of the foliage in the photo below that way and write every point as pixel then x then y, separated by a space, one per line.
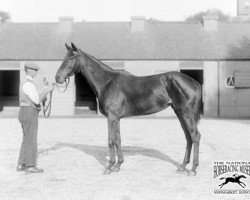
pixel 4 16
pixel 198 16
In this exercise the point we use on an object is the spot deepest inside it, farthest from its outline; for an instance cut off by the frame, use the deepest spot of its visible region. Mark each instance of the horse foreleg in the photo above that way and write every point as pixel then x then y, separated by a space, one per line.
pixel 241 185
pixel 111 143
pixel 116 168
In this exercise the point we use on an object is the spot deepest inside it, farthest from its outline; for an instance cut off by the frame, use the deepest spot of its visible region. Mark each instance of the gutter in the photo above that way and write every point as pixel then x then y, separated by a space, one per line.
pixel 218 82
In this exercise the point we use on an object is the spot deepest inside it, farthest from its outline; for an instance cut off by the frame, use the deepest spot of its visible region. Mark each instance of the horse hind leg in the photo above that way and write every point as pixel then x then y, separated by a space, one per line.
pixel 188 145
pixel 190 123
pixel 196 142
pixel 221 185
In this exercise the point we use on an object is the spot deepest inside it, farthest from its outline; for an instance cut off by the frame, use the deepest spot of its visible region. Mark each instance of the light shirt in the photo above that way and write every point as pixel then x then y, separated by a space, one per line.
pixel 30 90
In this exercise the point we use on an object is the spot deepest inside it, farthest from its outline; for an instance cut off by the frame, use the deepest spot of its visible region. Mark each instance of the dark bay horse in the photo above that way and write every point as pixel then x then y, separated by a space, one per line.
pixel 121 94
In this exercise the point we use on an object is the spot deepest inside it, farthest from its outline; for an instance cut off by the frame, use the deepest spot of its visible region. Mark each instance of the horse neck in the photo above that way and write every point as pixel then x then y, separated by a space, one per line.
pixel 96 73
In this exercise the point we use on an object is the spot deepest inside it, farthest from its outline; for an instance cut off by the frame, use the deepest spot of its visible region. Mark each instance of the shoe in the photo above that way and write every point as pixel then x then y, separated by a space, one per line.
pixel 20 168
pixel 33 170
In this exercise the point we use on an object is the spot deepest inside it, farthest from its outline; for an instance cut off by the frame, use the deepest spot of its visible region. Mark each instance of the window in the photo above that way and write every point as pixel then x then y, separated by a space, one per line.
pixel 242 79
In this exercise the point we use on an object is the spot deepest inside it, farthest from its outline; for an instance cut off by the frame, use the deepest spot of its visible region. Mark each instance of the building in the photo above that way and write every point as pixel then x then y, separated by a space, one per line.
pixel 216 54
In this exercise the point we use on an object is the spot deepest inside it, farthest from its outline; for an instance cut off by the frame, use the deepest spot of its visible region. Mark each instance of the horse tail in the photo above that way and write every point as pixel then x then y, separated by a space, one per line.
pixel 198 103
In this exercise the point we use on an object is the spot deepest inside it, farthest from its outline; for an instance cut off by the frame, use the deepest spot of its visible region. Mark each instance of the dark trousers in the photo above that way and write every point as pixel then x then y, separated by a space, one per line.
pixel 28 117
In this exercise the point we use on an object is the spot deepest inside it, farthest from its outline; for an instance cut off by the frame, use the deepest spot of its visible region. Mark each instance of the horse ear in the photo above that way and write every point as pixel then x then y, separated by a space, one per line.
pixel 67 47
pixel 74 47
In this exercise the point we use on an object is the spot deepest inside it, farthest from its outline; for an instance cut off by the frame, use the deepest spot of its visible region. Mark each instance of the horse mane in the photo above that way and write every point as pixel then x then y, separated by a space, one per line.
pixel 97 61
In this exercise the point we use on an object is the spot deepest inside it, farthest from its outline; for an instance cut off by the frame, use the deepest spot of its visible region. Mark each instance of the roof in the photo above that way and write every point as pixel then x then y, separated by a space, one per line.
pixel 114 40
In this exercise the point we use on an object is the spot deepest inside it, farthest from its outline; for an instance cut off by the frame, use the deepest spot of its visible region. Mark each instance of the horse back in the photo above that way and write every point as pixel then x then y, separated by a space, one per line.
pixel 131 95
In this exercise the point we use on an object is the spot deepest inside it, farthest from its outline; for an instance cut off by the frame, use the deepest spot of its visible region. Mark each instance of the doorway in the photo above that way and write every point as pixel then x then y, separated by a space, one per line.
pixel 196 74
pixel 9 88
pixel 85 103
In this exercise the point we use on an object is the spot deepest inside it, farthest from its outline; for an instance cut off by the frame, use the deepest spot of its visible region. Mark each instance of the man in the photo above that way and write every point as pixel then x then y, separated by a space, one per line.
pixel 30 101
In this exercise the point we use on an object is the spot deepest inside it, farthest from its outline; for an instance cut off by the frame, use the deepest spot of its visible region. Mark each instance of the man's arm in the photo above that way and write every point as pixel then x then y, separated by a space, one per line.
pixel 43 95
pixel 30 90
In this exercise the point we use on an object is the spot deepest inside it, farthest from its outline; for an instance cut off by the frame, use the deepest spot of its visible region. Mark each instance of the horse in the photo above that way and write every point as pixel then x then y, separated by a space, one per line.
pixel 121 94
pixel 235 179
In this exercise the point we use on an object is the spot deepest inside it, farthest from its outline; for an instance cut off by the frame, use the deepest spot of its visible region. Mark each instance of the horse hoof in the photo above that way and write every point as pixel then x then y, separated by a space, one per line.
pixel 115 169
pixel 181 170
pixel 107 171
pixel 191 173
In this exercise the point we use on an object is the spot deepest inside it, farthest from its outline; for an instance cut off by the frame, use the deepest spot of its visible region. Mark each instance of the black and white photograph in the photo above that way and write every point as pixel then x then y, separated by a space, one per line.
pixel 124 100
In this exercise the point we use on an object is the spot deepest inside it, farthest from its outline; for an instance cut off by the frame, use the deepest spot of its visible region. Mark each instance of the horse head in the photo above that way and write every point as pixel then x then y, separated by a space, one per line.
pixel 70 64
pixel 242 176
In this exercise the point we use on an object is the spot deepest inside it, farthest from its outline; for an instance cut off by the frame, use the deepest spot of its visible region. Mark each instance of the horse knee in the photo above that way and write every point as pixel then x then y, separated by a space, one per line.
pixel 117 142
pixel 111 145
pixel 111 142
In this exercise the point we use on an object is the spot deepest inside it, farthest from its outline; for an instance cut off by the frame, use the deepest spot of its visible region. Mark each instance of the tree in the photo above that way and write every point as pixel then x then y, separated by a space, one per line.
pixel 199 16
pixel 4 16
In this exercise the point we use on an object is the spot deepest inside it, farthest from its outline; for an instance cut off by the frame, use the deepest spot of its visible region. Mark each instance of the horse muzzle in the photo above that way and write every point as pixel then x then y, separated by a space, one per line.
pixel 60 79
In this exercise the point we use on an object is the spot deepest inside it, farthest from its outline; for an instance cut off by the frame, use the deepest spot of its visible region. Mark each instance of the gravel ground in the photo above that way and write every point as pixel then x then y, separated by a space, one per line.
pixel 73 152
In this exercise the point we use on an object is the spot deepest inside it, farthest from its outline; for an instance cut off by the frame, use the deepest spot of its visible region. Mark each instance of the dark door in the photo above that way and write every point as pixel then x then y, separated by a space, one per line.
pixel 85 96
pixel 9 88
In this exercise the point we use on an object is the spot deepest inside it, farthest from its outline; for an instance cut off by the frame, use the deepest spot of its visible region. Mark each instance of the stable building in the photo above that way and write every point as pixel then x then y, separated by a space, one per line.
pixel 216 54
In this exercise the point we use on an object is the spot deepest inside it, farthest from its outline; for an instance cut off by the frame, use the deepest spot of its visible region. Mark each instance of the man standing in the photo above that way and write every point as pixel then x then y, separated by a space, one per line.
pixel 30 101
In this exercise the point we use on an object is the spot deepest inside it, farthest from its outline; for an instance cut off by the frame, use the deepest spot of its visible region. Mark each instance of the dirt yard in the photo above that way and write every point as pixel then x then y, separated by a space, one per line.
pixel 73 152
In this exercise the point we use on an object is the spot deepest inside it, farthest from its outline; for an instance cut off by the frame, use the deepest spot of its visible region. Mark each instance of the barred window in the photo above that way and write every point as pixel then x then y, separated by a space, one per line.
pixel 242 79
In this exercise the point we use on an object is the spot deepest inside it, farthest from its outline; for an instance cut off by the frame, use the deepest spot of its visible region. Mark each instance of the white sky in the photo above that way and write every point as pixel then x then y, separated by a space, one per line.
pixel 110 10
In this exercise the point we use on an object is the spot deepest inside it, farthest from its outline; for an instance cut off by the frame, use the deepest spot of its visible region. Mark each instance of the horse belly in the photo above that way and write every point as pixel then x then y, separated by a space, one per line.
pixel 147 106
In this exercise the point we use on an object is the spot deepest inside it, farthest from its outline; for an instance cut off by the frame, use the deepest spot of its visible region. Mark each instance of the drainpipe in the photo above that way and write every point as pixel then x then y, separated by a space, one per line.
pixel 218 81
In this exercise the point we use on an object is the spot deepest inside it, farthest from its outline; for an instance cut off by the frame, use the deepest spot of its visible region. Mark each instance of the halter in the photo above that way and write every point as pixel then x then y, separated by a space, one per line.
pixel 58 86
pixel 76 56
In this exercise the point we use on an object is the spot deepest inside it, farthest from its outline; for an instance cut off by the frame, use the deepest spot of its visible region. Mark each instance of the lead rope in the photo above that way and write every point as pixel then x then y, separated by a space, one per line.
pixel 47 108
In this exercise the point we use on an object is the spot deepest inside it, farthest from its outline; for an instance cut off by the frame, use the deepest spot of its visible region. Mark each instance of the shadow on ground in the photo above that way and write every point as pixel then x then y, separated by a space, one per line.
pixel 100 153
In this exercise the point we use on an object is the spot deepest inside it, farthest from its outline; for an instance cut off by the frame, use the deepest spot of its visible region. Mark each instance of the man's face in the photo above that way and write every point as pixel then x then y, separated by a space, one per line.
pixel 32 72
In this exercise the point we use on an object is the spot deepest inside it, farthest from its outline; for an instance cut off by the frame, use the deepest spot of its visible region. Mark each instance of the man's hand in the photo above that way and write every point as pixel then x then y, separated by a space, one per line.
pixel 45 92
pixel 50 87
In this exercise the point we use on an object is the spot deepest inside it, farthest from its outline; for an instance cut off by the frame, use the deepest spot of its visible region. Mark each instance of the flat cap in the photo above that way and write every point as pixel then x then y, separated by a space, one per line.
pixel 31 65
